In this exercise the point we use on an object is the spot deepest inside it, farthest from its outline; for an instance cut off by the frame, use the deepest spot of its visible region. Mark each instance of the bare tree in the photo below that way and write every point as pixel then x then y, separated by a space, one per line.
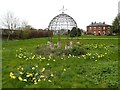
pixel 10 22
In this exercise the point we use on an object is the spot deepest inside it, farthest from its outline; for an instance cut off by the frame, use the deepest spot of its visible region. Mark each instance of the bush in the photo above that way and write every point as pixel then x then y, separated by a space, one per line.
pixel 75 32
pixel 27 34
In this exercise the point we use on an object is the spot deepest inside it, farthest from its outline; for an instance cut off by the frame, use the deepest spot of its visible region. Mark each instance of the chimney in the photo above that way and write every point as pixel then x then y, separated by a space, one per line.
pixel 103 22
pixel 92 23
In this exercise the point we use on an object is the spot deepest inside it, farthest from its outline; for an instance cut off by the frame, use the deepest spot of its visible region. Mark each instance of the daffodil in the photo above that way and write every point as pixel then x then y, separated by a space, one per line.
pixel 64 69
pixel 51 75
pixel 61 57
pixel 105 53
pixel 39 80
pixel 48 59
pixel 33 68
pixel 29 74
pixel 33 56
pixel 24 57
pixel 13 77
pixel 25 80
pixel 20 78
pixel 43 70
pixel 42 76
pixel 35 82
pixel 36 66
pixel 21 68
pixel 49 81
pixel 33 78
pixel 11 74
pixel 78 57
pixel 43 58
pixel 36 74
pixel 48 64
pixel 21 72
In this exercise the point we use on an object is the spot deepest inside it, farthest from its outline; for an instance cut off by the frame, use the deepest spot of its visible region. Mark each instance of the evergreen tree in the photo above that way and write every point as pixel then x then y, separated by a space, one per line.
pixel 116 25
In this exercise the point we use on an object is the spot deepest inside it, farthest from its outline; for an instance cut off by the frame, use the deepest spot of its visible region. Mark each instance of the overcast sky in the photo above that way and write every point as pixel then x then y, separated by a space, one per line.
pixel 39 13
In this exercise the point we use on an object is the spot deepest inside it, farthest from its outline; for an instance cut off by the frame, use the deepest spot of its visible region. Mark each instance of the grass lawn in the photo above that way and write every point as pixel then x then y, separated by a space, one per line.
pixel 97 69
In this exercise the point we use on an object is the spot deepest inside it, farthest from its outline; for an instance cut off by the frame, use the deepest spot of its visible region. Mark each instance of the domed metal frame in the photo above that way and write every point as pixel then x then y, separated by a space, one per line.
pixel 61 24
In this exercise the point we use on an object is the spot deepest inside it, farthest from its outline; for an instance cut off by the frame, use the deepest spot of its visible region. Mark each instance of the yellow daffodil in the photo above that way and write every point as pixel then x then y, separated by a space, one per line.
pixel 33 78
pixel 49 81
pixel 20 78
pixel 36 66
pixel 21 68
pixel 21 72
pixel 29 74
pixel 51 75
pixel 39 80
pixel 64 69
pixel 35 82
pixel 54 60
pixel 48 64
pixel 13 77
pixel 33 68
pixel 42 76
pixel 43 58
pixel 43 70
pixel 33 56
pixel 11 74
pixel 36 74
pixel 25 80
pixel 24 57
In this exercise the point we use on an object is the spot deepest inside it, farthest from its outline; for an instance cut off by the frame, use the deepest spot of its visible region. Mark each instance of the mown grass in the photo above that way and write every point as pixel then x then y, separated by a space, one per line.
pixel 69 72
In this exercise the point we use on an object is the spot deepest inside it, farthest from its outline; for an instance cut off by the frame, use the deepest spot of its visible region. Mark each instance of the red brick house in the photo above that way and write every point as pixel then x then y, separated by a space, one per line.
pixel 99 29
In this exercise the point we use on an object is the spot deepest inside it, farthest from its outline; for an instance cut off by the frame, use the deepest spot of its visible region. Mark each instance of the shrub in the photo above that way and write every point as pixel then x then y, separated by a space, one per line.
pixel 25 34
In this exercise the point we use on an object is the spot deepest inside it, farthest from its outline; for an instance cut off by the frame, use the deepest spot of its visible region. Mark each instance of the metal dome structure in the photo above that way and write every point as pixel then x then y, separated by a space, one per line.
pixel 62 23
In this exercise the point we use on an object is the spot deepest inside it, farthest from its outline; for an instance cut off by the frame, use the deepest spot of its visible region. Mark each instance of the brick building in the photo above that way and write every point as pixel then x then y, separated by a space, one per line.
pixel 99 29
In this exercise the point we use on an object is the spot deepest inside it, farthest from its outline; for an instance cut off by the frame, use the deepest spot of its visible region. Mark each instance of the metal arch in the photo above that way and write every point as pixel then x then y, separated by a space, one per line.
pixel 62 21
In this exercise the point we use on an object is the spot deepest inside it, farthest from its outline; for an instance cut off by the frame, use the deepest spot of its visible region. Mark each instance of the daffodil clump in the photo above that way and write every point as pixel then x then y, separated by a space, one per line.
pixel 31 74
pixel 22 54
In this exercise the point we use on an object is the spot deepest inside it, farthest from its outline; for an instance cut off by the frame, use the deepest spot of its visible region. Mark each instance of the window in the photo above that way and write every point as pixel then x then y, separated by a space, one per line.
pixel 99 33
pixel 103 32
pixel 103 28
pixel 94 32
pixel 94 28
pixel 90 28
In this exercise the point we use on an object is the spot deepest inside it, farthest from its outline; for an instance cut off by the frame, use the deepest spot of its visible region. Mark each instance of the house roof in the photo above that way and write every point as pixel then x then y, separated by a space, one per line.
pixel 99 24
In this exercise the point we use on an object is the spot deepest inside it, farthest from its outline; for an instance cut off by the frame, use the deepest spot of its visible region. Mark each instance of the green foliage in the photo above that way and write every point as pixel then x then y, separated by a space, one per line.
pixel 75 32
pixel 116 25
pixel 25 34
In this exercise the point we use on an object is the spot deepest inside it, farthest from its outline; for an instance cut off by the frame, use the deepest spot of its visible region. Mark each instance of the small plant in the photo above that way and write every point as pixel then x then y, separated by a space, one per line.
pixel 30 74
